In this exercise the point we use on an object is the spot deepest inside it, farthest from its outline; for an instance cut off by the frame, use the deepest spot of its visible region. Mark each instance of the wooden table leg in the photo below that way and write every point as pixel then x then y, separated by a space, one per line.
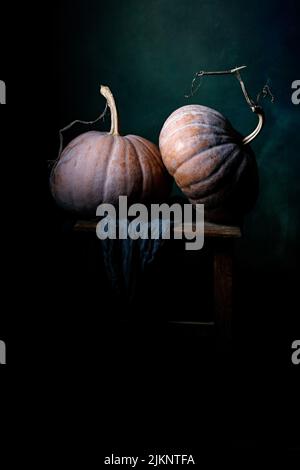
pixel 223 263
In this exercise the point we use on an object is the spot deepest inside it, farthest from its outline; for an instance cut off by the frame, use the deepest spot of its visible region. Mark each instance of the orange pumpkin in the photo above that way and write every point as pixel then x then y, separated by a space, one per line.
pixel 98 167
pixel 209 162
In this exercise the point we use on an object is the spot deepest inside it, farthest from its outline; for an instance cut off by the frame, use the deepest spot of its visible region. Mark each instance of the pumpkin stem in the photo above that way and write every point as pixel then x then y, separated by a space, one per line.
pixel 105 91
pixel 255 108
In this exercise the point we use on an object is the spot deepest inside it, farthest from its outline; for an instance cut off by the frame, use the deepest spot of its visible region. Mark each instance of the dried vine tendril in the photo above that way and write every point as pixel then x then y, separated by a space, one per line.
pixel 203 72
pixel 265 92
pixel 77 121
pixel 254 106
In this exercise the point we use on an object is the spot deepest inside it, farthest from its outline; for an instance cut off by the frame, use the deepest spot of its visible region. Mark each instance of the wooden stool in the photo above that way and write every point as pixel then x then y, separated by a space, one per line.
pixel 221 238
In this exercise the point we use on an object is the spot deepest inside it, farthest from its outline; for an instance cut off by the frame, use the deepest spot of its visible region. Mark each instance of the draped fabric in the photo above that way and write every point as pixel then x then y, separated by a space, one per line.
pixel 125 260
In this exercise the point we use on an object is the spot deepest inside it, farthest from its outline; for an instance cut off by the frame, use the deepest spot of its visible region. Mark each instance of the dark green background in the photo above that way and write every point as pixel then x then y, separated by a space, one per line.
pixel 148 52
pixel 54 57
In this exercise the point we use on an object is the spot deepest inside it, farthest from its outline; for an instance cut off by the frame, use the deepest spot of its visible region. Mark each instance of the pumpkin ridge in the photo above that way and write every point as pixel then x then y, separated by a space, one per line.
pixel 196 125
pixel 135 153
pixel 211 201
pixel 126 164
pixel 102 160
pixel 85 177
pixel 172 162
pixel 141 166
pixel 199 152
pixel 224 191
pixel 180 115
pixel 64 158
pixel 230 161
pixel 229 188
pixel 156 162
pixel 110 153
pixel 156 157
pixel 243 165
pixel 197 108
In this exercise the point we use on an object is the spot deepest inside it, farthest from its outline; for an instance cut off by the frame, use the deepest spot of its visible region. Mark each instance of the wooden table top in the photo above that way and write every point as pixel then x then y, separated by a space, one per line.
pixel 210 229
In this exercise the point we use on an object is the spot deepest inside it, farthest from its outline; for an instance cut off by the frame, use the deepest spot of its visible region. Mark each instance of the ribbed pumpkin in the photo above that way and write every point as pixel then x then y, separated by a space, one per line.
pixel 209 162
pixel 98 167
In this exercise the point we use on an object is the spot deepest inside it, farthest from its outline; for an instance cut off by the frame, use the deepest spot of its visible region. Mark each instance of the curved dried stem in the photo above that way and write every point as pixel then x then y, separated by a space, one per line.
pixel 255 108
pixel 61 131
pixel 106 92
pixel 77 121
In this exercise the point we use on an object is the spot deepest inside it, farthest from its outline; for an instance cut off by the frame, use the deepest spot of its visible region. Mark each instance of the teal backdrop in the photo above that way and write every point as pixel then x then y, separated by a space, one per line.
pixel 148 52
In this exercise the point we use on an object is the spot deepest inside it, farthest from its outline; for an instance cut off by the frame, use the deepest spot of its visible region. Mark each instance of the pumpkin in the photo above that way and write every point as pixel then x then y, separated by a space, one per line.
pixel 209 162
pixel 98 167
